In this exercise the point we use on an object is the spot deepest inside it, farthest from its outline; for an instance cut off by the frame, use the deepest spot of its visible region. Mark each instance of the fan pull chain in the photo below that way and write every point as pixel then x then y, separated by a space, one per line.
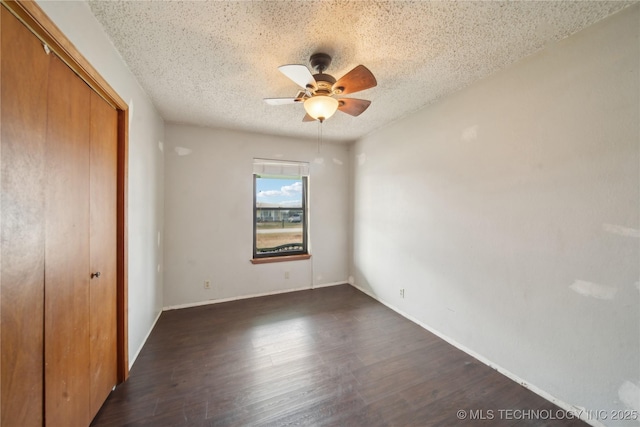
pixel 319 135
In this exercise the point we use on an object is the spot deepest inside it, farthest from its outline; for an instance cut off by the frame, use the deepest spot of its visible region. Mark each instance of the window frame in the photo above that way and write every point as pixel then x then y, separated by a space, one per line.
pixel 259 258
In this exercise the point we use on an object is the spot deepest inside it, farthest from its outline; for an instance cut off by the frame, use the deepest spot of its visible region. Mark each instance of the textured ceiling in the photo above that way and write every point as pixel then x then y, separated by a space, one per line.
pixel 211 63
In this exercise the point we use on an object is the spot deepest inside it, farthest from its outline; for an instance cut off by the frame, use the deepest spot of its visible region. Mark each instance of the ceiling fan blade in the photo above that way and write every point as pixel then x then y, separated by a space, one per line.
pixel 281 101
pixel 360 78
pixel 355 107
pixel 308 118
pixel 299 74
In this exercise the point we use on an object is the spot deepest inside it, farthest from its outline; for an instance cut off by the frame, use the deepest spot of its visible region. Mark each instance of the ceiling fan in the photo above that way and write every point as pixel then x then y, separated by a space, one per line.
pixel 320 90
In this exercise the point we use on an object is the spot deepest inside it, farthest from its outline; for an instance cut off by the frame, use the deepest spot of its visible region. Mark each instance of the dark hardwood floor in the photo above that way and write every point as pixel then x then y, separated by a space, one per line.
pixel 325 357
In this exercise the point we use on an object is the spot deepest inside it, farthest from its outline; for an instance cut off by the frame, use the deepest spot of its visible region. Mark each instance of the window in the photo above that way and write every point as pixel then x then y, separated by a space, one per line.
pixel 280 209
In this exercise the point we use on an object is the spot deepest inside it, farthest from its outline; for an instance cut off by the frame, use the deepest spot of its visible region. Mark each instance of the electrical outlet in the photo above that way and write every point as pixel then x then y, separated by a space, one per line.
pixel 286 274
pixel 207 284
pixel 402 293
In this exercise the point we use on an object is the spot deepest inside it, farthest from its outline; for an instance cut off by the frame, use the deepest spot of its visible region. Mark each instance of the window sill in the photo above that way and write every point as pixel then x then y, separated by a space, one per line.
pixel 268 260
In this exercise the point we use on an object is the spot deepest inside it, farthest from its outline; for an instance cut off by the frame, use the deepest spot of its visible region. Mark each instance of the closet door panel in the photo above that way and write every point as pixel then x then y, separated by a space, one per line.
pixel 67 272
pixel 23 113
pixel 103 290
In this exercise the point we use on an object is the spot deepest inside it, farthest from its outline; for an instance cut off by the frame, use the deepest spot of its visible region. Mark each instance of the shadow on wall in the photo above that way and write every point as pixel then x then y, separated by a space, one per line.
pixel 359 281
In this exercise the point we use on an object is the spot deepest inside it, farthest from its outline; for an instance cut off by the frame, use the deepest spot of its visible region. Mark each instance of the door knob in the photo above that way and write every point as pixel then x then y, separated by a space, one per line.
pixel 96 274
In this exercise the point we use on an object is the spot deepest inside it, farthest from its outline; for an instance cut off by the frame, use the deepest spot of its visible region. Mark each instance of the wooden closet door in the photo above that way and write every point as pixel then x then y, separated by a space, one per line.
pixel 23 112
pixel 58 214
pixel 103 244
pixel 67 271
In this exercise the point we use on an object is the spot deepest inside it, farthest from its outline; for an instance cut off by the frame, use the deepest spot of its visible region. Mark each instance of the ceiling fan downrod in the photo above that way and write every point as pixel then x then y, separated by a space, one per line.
pixel 320 62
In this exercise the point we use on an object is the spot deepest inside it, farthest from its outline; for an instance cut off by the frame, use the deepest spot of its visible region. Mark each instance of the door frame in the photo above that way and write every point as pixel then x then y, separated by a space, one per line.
pixel 30 14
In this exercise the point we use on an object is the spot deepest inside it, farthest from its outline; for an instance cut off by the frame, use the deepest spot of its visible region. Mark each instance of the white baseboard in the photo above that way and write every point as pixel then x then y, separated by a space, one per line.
pixel 144 341
pixel 241 297
pixel 326 285
pixel 578 412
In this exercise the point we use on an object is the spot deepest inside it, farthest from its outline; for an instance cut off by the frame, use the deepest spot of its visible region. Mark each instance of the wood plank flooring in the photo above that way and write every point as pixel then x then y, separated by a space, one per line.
pixel 325 357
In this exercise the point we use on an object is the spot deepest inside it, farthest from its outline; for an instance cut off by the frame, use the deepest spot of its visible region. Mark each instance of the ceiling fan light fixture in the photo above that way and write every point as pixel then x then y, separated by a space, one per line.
pixel 321 107
pixel 321 91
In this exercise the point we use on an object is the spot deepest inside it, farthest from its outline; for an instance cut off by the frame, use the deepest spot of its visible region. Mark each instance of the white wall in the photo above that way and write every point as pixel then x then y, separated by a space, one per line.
pixel 146 164
pixel 510 214
pixel 209 211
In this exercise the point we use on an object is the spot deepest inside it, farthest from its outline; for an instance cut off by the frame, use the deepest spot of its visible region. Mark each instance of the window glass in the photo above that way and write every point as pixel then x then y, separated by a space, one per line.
pixel 280 226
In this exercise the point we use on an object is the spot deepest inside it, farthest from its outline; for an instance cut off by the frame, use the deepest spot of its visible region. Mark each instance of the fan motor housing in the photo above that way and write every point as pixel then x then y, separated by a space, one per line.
pixel 324 82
